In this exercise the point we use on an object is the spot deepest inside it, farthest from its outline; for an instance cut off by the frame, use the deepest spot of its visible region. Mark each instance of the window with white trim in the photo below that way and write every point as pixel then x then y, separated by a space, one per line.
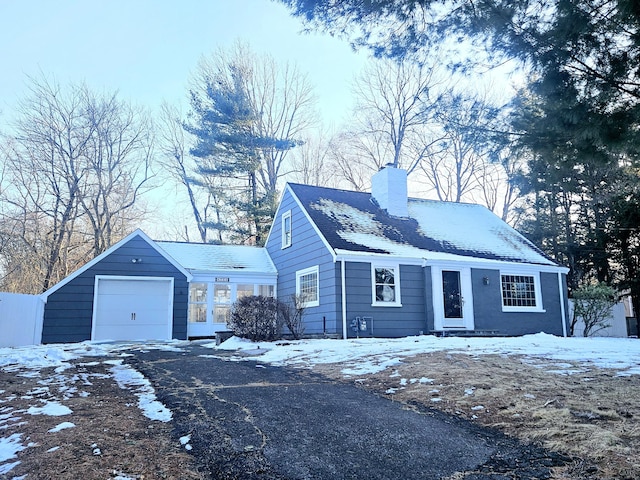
pixel 286 229
pixel 520 292
pixel 307 286
pixel 385 285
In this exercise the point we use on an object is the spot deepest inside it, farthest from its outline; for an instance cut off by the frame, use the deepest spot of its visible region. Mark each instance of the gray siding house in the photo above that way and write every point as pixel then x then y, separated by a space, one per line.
pixel 132 291
pixel 365 264
pixel 382 264
pixel 140 289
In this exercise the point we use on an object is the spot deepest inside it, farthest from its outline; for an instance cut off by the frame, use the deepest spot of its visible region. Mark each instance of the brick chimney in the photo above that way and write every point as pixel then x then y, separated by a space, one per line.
pixel 389 189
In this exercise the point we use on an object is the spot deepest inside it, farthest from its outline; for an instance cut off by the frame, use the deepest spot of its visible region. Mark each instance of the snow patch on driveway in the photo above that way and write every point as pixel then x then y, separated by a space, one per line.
pixel 129 378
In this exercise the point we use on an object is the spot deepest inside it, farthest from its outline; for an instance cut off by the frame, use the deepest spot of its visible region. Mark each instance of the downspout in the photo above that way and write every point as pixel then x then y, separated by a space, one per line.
pixel 344 299
pixel 562 310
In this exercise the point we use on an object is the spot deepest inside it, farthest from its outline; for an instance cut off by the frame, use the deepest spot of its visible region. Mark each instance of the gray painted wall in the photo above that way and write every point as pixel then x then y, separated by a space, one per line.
pixel 306 250
pixel 410 319
pixel 416 314
pixel 487 304
pixel 69 310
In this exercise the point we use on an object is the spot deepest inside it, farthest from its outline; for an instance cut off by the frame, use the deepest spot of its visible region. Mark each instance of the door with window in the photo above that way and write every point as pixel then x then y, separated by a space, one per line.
pixel 453 302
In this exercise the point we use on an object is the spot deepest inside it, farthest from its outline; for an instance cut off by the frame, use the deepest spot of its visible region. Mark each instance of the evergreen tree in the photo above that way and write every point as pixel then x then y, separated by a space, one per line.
pixel 228 149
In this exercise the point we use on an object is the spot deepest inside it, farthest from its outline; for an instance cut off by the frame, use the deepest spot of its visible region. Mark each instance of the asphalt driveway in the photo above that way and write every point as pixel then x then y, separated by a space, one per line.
pixel 250 421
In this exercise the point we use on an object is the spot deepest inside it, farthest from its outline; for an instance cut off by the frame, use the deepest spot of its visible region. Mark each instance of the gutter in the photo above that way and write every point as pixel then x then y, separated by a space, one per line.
pixel 563 314
pixel 344 299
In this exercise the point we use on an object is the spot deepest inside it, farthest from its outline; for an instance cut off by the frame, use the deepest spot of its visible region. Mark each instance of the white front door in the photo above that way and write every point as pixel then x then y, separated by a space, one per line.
pixel 129 308
pixel 452 298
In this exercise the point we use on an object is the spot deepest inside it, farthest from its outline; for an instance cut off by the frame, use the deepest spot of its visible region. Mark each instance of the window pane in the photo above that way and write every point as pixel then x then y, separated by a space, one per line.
pixel 198 313
pixel 197 292
pixel 244 290
pixel 221 313
pixel 222 293
pixel 385 293
pixel 266 290
pixel 518 291
pixel 385 285
pixel 385 276
pixel 309 287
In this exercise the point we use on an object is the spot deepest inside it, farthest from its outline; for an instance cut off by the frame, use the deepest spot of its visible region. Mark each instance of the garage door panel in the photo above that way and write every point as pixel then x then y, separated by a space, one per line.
pixel 124 287
pixel 133 309
pixel 135 332
pixel 132 303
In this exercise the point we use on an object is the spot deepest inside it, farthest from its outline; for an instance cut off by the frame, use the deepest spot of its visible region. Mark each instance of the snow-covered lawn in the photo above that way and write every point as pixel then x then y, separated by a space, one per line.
pixel 371 355
pixel 357 358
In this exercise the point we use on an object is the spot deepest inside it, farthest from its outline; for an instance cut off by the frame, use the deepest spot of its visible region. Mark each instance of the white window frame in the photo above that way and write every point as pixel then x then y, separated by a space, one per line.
pixel 309 271
pixel 396 282
pixel 536 288
pixel 286 239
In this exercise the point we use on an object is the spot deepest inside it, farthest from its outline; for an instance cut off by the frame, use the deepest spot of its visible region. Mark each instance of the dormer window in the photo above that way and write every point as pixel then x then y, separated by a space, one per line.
pixel 286 229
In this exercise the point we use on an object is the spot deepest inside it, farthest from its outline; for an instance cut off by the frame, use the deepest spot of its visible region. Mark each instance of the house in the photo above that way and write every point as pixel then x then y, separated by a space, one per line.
pixel 382 264
pixel 220 274
pixel 141 289
pixel 365 264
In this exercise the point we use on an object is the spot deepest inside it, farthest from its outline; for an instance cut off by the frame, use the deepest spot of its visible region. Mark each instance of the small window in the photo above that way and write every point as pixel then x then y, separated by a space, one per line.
pixel 386 285
pixel 520 292
pixel 307 286
pixel 286 229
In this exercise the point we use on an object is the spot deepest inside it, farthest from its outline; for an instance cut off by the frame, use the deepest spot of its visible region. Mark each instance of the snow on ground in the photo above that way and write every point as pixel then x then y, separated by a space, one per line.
pixel 127 377
pixel 29 362
pixel 357 356
pixel 371 355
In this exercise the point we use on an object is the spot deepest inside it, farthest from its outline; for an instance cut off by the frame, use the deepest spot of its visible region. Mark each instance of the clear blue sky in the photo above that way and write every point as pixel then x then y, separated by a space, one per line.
pixel 147 49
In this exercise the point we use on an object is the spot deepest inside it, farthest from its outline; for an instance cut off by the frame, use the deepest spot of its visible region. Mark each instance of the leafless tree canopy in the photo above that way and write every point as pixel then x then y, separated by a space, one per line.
pixel 73 169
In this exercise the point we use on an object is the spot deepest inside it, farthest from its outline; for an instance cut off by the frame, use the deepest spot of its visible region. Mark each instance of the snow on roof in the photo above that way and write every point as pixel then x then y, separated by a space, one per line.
pixel 219 258
pixel 352 222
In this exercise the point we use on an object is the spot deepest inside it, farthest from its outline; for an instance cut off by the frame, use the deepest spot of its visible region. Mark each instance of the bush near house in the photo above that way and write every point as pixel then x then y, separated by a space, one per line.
pixel 593 304
pixel 292 313
pixel 257 318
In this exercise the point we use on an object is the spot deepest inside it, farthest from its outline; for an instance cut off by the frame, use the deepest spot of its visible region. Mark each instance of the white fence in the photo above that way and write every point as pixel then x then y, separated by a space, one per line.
pixel 617 322
pixel 20 319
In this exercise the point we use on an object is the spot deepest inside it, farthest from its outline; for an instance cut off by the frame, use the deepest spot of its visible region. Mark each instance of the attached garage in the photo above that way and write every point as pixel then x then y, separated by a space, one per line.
pixel 133 291
pixel 126 308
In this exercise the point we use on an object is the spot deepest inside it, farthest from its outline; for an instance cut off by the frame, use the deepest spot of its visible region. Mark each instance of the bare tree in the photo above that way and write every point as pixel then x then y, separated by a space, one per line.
pixel 118 166
pixel 472 162
pixel 312 162
pixel 177 162
pixel 394 109
pixel 74 165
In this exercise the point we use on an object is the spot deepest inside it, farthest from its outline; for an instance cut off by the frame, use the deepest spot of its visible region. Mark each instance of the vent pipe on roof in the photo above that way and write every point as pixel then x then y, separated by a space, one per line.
pixel 389 189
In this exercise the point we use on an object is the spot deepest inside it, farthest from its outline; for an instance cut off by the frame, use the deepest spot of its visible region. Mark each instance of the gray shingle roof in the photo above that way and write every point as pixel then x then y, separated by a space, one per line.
pixel 353 222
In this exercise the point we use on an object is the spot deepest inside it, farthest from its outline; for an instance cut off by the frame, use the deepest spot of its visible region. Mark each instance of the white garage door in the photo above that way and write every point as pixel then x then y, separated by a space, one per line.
pixel 132 309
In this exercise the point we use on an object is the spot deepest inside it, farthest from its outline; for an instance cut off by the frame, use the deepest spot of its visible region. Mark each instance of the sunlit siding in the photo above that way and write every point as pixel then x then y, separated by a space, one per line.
pixel 306 250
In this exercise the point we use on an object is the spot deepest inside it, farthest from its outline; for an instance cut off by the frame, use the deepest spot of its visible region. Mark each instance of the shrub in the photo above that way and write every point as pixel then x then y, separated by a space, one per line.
pixel 292 315
pixel 256 318
pixel 592 304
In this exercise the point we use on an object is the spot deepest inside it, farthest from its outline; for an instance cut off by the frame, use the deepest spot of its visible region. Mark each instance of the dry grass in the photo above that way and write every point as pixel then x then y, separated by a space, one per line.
pixel 591 415
pixel 105 417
